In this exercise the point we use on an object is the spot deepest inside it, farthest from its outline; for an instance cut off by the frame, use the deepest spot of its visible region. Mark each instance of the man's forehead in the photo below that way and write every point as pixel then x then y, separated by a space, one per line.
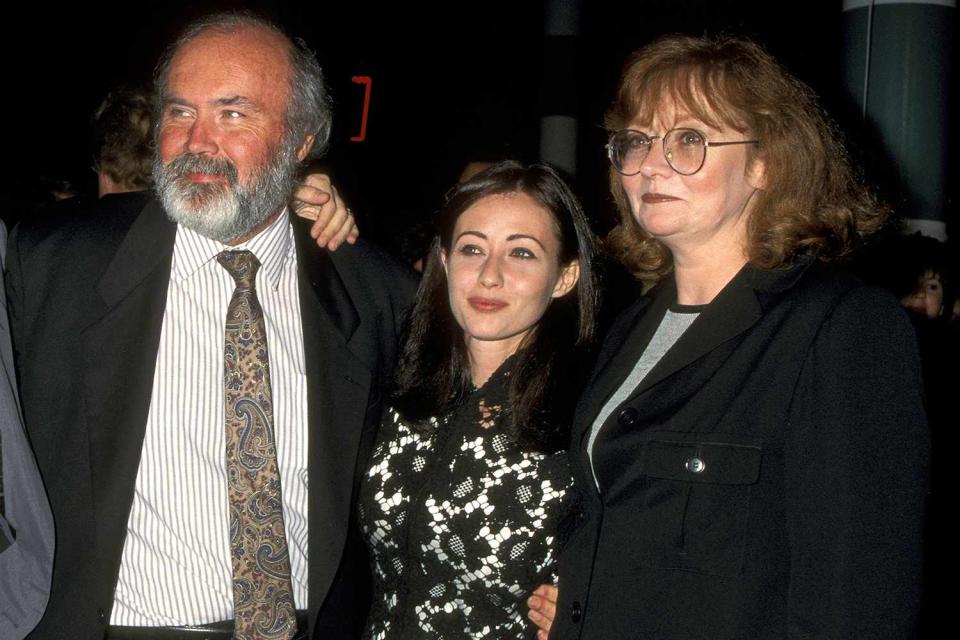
pixel 249 49
pixel 246 64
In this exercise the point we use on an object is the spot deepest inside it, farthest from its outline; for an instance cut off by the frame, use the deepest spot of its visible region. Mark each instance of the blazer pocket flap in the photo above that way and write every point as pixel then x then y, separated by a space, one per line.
pixel 707 462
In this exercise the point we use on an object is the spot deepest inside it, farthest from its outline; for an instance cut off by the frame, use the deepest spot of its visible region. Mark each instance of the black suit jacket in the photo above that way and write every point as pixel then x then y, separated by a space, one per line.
pixel 87 299
pixel 765 480
pixel 26 524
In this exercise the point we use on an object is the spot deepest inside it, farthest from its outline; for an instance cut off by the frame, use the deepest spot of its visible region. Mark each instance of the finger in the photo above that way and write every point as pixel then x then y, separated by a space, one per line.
pixel 318 180
pixel 314 191
pixel 542 603
pixel 333 215
pixel 548 592
pixel 348 226
pixel 306 196
pixel 543 623
pixel 354 233
pixel 322 217
pixel 339 226
pixel 542 635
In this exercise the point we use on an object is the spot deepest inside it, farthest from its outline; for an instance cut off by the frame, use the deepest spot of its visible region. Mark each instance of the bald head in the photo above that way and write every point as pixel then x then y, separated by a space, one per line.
pixel 307 107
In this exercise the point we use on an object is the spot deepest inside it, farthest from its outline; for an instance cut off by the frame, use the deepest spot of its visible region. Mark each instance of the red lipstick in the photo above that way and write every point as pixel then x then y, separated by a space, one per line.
pixel 656 198
pixel 486 305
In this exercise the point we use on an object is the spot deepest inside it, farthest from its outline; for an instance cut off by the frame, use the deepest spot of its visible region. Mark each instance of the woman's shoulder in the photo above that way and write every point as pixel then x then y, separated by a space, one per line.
pixel 854 324
pixel 810 287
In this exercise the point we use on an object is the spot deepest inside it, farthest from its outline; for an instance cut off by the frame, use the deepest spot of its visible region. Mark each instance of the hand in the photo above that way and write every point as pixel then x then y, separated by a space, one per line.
pixel 317 199
pixel 543 607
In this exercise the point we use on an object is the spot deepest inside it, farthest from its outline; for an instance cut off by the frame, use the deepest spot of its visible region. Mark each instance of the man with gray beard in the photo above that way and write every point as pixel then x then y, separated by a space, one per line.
pixel 201 384
pixel 219 211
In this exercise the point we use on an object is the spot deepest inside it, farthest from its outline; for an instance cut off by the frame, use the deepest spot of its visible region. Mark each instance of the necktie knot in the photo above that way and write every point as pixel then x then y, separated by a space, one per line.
pixel 242 266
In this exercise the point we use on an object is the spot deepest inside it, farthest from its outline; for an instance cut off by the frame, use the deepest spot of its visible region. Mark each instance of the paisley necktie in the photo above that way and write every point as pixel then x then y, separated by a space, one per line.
pixel 262 594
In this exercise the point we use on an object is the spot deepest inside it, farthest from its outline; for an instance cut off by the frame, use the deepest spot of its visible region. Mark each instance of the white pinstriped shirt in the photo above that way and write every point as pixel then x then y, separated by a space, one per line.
pixel 176 568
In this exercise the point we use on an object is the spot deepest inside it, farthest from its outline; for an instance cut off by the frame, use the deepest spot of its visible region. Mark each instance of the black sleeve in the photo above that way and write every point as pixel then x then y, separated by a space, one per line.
pixel 856 476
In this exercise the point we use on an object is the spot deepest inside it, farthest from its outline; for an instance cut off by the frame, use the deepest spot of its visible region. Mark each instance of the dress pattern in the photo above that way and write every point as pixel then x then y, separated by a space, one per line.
pixel 461 523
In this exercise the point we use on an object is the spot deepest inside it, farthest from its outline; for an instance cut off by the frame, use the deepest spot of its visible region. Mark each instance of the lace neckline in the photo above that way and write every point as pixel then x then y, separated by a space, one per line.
pixel 490 399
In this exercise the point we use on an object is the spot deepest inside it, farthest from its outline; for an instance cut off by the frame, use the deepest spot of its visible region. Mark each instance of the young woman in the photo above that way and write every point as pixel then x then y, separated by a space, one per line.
pixel 467 486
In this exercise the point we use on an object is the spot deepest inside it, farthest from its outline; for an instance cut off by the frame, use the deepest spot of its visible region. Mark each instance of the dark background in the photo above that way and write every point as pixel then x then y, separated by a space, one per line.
pixel 452 83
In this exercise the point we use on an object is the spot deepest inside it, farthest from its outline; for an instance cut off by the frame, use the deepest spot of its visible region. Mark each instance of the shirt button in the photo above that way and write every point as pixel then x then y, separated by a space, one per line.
pixel 628 417
pixel 695 465
pixel 101 616
pixel 575 611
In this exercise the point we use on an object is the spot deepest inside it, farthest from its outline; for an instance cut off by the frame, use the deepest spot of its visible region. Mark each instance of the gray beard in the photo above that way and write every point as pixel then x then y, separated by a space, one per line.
pixel 224 212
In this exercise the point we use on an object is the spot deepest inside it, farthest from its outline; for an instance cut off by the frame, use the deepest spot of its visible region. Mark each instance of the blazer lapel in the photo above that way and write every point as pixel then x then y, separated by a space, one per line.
pixel 120 349
pixel 338 393
pixel 621 349
pixel 713 335
pixel 708 342
pixel 733 311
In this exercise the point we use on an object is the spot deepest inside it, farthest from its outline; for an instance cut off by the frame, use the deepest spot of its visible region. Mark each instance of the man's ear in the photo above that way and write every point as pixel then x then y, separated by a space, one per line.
pixel 569 275
pixel 305 147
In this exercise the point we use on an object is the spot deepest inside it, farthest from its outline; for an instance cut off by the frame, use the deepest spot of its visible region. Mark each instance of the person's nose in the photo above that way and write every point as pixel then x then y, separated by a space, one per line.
pixel 655 164
pixel 491 274
pixel 201 138
pixel 916 301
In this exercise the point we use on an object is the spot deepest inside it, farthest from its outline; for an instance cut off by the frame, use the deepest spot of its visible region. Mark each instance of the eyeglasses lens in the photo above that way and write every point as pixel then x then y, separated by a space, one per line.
pixel 628 149
pixel 684 149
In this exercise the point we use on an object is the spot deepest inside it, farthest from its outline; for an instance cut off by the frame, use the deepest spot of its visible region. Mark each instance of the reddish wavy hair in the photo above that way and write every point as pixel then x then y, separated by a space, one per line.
pixel 813 201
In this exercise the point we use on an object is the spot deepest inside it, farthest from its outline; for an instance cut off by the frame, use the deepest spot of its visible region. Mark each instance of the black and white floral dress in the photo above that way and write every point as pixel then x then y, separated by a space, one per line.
pixel 461 524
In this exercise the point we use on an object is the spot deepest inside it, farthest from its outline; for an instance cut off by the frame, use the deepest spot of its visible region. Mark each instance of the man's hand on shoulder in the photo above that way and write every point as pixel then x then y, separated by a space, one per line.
pixel 317 199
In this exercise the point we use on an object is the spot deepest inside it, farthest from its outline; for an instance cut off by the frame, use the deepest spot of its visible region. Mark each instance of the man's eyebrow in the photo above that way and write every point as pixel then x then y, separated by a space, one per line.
pixel 169 100
pixel 237 101
pixel 229 101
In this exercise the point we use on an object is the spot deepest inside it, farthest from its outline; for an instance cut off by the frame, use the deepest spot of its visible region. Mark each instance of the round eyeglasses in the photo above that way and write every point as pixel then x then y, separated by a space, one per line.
pixel 684 149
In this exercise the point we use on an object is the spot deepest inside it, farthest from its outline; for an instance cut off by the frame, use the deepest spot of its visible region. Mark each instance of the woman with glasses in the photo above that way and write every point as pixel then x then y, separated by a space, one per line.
pixel 751 448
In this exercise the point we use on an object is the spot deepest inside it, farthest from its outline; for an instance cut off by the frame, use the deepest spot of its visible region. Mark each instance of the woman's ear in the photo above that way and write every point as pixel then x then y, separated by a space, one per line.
pixel 757 173
pixel 569 275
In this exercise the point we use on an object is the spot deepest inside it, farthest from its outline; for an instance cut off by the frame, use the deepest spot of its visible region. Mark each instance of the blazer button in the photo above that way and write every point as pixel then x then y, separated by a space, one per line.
pixel 695 465
pixel 628 417
pixel 576 611
pixel 101 616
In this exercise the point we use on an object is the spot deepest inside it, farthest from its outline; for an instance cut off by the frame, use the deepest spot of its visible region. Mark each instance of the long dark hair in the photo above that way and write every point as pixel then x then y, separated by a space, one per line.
pixel 434 373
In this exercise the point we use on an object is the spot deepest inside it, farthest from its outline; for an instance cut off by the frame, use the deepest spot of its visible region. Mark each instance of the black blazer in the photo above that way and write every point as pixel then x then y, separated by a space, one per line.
pixel 765 480
pixel 87 298
pixel 26 524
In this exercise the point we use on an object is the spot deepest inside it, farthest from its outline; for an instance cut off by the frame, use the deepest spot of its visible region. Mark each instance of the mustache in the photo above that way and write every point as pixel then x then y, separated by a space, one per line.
pixel 194 163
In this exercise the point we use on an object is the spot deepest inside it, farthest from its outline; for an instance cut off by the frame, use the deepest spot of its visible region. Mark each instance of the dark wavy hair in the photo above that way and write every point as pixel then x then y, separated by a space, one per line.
pixel 813 202
pixel 434 375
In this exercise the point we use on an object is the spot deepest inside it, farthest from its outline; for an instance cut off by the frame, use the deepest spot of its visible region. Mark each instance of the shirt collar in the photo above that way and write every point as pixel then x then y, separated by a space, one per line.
pixel 273 247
